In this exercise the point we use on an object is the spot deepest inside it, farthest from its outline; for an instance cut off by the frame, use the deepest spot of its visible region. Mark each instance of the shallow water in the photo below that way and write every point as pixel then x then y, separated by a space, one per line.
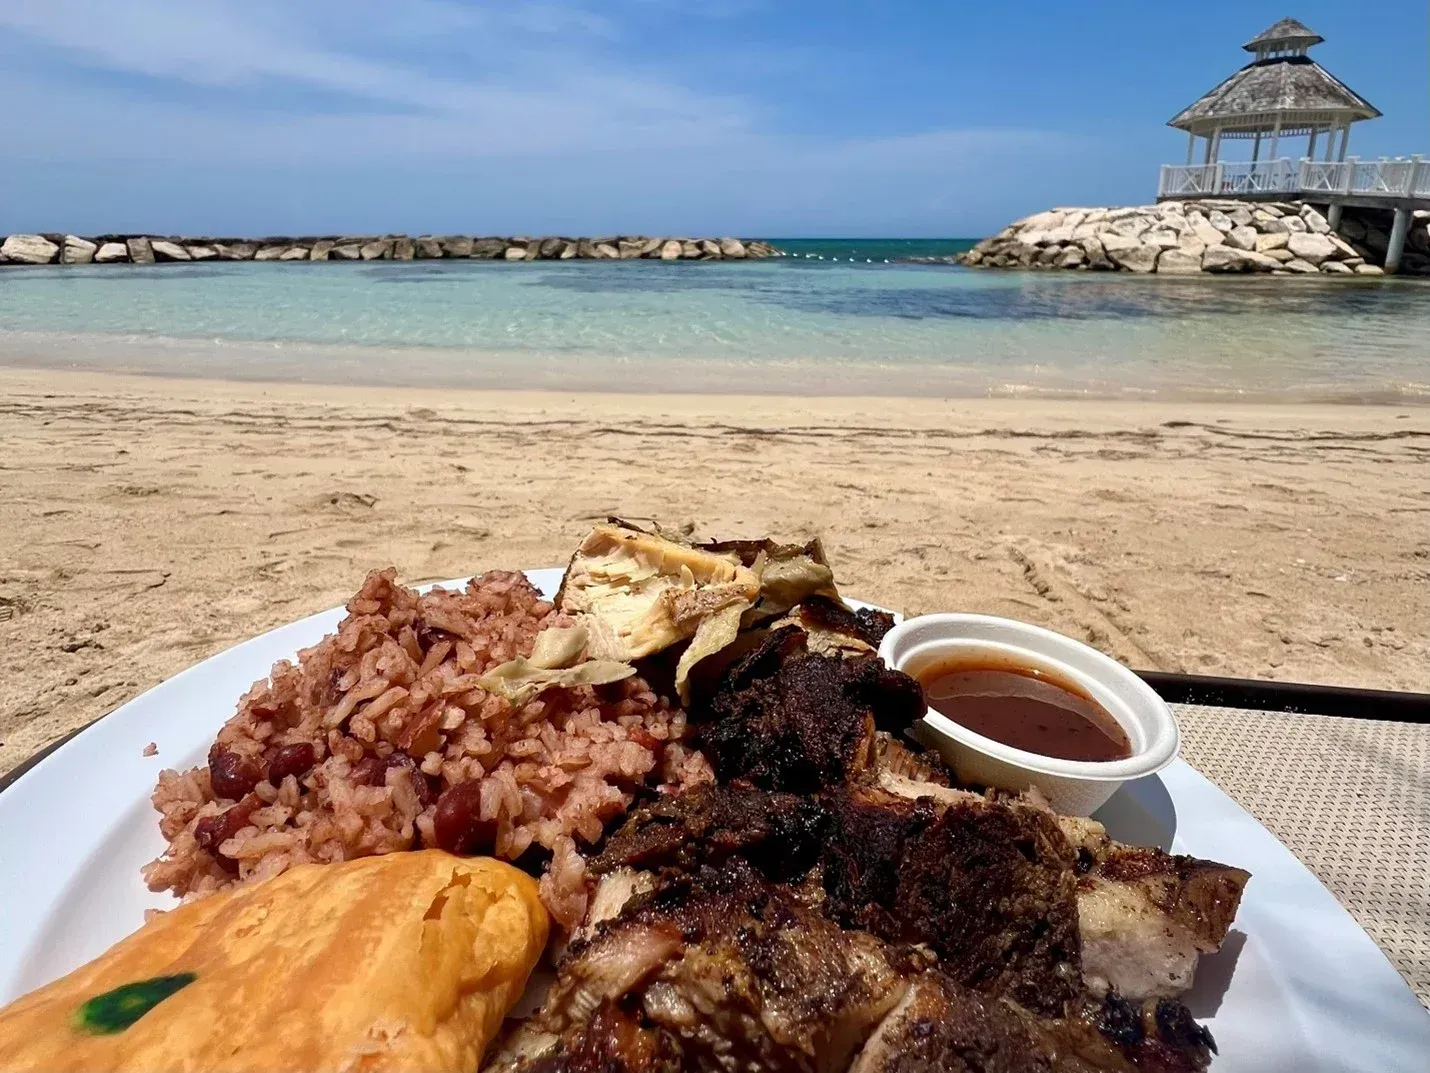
pixel 790 325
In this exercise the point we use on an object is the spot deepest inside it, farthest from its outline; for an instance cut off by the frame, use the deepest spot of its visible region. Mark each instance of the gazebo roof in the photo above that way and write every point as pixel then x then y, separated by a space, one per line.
pixel 1287 33
pixel 1289 87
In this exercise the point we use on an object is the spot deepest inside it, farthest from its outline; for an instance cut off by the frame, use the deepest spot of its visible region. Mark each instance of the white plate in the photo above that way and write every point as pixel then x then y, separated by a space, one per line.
pixel 1310 990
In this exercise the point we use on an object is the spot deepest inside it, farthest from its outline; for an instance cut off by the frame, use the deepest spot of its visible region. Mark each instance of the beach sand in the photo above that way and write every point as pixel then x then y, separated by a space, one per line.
pixel 146 524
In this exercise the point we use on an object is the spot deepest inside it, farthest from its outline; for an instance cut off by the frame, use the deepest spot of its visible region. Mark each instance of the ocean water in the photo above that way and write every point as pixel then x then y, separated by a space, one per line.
pixel 855 325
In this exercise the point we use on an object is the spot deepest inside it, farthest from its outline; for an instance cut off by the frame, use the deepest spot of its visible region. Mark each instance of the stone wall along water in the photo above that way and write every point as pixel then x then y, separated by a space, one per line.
pixel 45 249
pixel 1185 237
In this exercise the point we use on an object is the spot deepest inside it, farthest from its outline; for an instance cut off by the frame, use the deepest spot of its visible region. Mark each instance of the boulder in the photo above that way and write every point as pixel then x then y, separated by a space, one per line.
pixel 1344 248
pixel 1350 228
pixel 1040 221
pixel 1220 220
pixel 1137 258
pixel 550 248
pixel 1179 261
pixel 28 250
pixel 1242 237
pixel 1095 253
pixel 140 252
pixel 1295 264
pixel 710 248
pixel 630 248
pixel 1085 230
pixel 1313 220
pixel 1072 257
pixel 429 246
pixel 1231 259
pixel 586 248
pixel 202 253
pixel 732 247
pixel 487 249
pixel 1313 248
pixel 295 253
pixel 346 251
pixel 650 247
pixel 270 253
pixel 1281 254
pixel 690 250
pixel 403 248
pixel 514 253
pixel 237 251
pixel 1369 270
pixel 1240 216
pixel 78 251
pixel 670 250
pixel 111 252
pixel 1352 262
pixel 1049 256
pixel 457 246
pixel 164 250
pixel 606 251
pixel 1272 210
pixel 1274 240
pixel 1294 224
pixel 1163 238
pixel 321 249
pixel 533 249
pixel 376 250
pixel 1336 268
pixel 568 251
pixel 1263 220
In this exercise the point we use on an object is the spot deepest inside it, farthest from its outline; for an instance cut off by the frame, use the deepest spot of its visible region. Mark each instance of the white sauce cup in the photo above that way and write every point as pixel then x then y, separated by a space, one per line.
pixel 1074 787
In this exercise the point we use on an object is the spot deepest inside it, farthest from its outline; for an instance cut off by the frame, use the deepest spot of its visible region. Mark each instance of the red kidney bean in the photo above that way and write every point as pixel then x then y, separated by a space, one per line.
pixel 296 760
pixel 213 831
pixel 457 823
pixel 231 775
pixel 373 770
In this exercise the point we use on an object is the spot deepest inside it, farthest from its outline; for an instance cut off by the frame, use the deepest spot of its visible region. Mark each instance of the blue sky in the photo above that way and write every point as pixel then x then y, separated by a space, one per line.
pixel 778 117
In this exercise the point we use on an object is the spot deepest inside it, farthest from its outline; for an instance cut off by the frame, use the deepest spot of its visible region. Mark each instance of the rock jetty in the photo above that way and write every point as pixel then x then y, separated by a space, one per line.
pixel 46 249
pixel 1185 237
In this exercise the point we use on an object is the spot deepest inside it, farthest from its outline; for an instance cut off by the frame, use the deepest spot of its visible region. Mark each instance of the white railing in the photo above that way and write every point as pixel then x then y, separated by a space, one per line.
pixel 1191 180
pixel 1386 178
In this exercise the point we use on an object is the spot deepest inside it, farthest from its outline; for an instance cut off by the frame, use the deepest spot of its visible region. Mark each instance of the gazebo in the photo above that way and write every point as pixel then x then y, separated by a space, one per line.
pixel 1282 93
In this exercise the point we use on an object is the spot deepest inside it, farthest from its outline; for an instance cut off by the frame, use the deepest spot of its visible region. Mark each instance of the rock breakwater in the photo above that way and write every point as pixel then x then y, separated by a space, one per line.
pixel 44 249
pixel 1185 237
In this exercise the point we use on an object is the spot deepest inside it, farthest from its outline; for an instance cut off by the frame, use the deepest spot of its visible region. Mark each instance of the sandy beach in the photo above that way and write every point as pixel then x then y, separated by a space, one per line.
pixel 146 524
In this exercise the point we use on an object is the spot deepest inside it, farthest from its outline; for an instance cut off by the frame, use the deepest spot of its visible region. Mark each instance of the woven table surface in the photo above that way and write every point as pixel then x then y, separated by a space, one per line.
pixel 1349 797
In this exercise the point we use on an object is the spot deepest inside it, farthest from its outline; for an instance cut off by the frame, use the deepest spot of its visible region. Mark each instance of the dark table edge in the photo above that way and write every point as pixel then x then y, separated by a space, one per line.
pixel 1296 697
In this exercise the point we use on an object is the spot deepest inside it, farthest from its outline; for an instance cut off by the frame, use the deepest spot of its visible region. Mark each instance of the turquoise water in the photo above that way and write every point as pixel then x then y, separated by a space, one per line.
pixel 794 324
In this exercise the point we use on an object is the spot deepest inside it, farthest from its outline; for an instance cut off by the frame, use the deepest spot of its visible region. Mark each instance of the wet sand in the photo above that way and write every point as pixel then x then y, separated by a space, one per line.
pixel 146 524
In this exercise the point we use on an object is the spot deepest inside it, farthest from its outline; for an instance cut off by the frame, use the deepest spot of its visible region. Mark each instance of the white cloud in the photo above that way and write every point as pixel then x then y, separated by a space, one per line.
pixel 519 108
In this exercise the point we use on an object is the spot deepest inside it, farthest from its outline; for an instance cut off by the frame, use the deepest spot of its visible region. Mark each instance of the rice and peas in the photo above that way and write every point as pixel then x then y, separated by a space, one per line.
pixel 380 739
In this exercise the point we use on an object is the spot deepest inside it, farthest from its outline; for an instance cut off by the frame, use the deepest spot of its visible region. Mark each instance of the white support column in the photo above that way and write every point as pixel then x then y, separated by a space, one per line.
pixel 1275 137
pixel 1398 230
pixel 1345 140
pixel 1311 145
pixel 1213 145
pixel 1333 216
pixel 1256 148
pixel 1191 145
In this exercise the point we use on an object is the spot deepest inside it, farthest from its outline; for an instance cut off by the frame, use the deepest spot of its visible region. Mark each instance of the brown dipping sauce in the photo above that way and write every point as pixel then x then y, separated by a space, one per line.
pixel 1026 707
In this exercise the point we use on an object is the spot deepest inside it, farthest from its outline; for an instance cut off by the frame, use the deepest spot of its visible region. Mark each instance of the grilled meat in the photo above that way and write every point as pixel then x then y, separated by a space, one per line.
pixel 783 719
pixel 940 1027
pixel 987 886
pixel 780 834
pixel 1147 916
pixel 739 973
pixel 613 1041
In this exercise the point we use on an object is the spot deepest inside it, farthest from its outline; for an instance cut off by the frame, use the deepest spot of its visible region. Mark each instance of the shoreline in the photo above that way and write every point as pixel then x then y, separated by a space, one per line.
pixel 474 369
pixel 148 523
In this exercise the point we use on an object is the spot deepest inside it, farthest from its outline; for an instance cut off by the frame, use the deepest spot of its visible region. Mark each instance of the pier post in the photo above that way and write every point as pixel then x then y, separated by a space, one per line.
pixel 1398 230
pixel 1333 215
